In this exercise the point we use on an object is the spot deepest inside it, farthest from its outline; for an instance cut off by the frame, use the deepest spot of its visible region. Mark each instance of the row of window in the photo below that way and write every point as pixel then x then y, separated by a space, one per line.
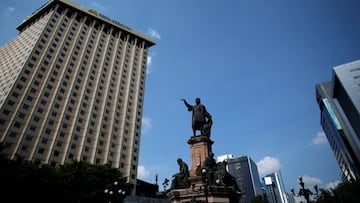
pixel 60 78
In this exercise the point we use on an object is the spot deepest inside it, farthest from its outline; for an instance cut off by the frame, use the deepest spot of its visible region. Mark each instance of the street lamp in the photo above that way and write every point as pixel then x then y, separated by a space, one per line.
pixel 304 191
pixel 115 193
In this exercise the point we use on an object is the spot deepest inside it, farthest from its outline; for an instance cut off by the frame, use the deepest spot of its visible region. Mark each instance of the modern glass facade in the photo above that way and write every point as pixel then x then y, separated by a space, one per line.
pixel 339 102
pixel 246 173
pixel 274 188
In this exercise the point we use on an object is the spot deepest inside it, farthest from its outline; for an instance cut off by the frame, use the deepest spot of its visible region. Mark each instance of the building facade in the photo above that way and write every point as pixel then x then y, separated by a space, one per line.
pixel 274 188
pixel 339 103
pixel 245 171
pixel 72 88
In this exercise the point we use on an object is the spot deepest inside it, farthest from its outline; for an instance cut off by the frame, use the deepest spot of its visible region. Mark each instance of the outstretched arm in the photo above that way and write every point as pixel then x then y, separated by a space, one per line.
pixel 186 104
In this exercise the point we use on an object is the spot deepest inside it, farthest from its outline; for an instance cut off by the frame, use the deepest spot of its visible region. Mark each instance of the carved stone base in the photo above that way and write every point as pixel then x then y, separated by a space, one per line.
pixel 200 146
pixel 215 194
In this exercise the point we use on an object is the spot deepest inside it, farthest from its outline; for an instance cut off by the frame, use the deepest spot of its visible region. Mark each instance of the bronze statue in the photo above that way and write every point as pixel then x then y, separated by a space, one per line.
pixel 209 168
pixel 201 118
pixel 181 179
pixel 225 177
pixel 216 173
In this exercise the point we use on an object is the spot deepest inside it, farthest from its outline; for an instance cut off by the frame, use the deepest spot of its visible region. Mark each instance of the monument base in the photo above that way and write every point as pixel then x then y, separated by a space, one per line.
pixel 209 194
pixel 200 147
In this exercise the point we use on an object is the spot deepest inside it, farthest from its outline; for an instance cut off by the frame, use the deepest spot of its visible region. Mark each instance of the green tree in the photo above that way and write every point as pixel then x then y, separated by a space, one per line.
pixel 165 183
pixel 77 182
pixel 347 192
pixel 259 199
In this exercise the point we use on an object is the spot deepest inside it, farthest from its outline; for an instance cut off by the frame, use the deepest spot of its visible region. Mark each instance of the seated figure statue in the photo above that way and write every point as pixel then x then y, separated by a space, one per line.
pixel 217 174
pixel 181 179
pixel 225 177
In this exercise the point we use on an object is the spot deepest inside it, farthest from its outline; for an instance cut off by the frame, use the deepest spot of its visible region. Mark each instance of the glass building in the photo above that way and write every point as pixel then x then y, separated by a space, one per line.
pixel 72 87
pixel 274 189
pixel 245 171
pixel 339 103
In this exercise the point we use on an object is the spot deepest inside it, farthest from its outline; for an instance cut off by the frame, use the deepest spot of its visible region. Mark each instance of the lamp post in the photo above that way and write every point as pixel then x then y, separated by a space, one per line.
pixel 305 192
pixel 206 181
pixel 115 193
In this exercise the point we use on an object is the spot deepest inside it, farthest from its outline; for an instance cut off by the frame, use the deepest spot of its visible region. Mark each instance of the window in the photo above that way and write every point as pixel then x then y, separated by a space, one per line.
pixel 6 111
pixel 11 103
pixel 25 106
pixel 41 150
pixel 28 137
pixel 15 94
pixel 44 140
pixel 21 115
pixel 12 134
pixel 48 131
pixel 32 128
pixel 43 102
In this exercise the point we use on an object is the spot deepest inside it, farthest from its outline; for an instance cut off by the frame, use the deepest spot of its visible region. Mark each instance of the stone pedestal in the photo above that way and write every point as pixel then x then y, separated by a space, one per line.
pixel 200 146
pixel 215 194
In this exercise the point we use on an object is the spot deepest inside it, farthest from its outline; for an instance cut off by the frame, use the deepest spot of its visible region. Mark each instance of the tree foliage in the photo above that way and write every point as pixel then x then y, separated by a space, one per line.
pixel 77 182
pixel 259 199
pixel 347 192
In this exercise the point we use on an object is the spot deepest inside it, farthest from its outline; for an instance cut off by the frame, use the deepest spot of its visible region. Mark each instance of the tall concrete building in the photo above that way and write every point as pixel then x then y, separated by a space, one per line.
pixel 72 88
pixel 339 102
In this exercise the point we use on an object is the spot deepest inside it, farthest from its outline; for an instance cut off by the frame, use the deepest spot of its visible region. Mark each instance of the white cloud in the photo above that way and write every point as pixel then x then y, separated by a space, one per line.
pixel 146 124
pixel 319 139
pixel 143 173
pixel 223 157
pixel 153 33
pixel 332 184
pixel 10 9
pixel 268 165
pixel 310 181
pixel 149 60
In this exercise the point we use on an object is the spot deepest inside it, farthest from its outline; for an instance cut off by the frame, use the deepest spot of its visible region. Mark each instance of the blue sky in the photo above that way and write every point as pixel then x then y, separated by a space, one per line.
pixel 253 63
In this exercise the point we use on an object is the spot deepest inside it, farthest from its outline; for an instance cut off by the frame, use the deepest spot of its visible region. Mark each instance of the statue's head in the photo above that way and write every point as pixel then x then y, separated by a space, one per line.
pixel 211 154
pixel 197 100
